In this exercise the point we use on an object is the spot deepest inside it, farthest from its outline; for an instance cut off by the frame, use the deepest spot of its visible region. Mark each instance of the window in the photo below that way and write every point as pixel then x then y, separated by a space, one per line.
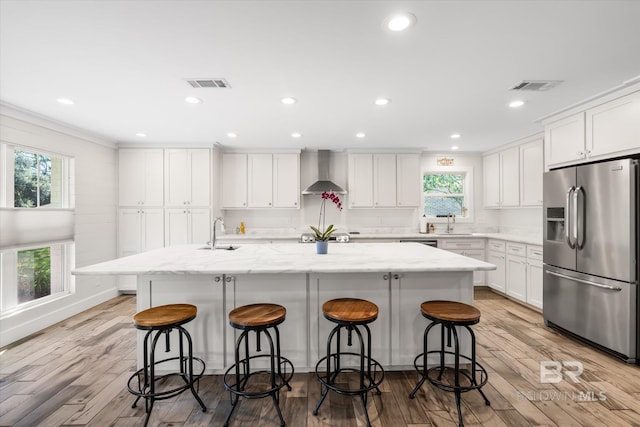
pixel 37 227
pixel 447 193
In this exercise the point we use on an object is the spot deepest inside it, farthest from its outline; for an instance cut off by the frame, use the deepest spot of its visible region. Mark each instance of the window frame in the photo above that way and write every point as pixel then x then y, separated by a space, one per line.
pixel 9 255
pixel 467 171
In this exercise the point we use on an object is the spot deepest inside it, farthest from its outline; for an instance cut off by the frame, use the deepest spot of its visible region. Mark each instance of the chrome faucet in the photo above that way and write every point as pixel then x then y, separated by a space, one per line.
pixel 212 242
pixel 449 224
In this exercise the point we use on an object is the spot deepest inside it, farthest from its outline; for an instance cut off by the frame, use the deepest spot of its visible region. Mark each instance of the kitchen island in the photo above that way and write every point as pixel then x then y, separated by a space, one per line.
pixel 395 276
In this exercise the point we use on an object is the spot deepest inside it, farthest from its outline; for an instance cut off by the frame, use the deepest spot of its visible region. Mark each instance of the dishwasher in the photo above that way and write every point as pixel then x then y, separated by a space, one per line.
pixel 428 242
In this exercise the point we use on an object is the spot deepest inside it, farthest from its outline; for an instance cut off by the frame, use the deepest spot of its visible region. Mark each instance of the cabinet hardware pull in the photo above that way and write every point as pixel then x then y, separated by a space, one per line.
pixel 385 277
pixel 216 279
pixel 396 276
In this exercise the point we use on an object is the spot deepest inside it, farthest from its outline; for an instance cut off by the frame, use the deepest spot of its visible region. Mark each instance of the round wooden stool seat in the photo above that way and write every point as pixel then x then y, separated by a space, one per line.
pixel 450 311
pixel 165 316
pixel 350 310
pixel 257 316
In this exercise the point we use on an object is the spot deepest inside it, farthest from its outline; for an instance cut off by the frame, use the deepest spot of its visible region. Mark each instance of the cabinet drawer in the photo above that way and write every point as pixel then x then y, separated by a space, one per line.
pixel 517 249
pixel 461 244
pixel 534 252
pixel 496 245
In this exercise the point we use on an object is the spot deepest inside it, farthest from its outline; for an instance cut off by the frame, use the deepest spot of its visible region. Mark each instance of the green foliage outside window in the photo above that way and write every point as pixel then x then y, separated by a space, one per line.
pixel 32 180
pixel 34 274
pixel 443 194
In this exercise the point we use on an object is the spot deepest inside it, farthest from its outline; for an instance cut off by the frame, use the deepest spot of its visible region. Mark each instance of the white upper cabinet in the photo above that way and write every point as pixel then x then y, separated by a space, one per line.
pixel 187 177
pixel 608 130
pixel 409 182
pixel 564 140
pixel 234 180
pixel 614 127
pixel 384 180
pixel 260 180
pixel 141 177
pixel 360 180
pixel 286 180
pixel 501 178
pixel 531 171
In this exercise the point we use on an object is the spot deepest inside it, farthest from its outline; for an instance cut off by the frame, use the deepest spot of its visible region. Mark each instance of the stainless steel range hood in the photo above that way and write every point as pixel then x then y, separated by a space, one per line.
pixel 323 183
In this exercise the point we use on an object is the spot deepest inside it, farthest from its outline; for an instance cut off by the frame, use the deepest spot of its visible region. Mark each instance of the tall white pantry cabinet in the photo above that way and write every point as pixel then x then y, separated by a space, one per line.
pixel 164 199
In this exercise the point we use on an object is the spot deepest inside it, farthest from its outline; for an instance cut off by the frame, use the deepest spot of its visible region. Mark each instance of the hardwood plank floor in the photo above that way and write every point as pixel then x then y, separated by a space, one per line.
pixel 74 374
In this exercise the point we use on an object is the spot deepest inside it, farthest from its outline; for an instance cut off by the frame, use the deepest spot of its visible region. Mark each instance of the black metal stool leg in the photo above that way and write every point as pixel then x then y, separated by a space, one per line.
pixel 425 346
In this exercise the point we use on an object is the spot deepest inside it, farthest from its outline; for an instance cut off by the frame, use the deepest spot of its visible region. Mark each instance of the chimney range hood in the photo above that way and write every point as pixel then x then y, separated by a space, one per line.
pixel 323 183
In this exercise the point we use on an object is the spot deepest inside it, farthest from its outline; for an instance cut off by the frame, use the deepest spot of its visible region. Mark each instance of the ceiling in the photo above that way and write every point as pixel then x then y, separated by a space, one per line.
pixel 125 65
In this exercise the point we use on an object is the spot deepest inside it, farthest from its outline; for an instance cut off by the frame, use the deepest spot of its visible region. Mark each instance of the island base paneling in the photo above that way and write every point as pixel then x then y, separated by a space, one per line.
pixel 396 334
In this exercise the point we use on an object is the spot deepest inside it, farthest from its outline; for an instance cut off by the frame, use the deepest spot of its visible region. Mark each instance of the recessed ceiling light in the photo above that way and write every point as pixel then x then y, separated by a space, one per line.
pixel 360 135
pixel 296 135
pixel 141 134
pixel 517 103
pixel 455 136
pixel 382 101
pixel 232 135
pixel 65 101
pixel 193 100
pixel 400 21
pixel 288 100
pixel 455 147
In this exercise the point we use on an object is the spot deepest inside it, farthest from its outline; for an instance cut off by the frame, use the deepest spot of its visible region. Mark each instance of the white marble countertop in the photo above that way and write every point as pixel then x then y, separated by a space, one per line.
pixel 356 238
pixel 289 258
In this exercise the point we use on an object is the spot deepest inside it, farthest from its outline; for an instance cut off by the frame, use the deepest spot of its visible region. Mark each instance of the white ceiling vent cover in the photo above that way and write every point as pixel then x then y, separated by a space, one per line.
pixel 536 85
pixel 206 83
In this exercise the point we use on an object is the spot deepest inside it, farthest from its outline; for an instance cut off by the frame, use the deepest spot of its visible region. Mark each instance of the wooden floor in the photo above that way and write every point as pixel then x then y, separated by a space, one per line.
pixel 74 374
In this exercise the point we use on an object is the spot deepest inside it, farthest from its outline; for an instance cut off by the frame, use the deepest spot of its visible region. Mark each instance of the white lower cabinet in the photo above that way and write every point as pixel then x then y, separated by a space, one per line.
pixel 472 248
pixel 186 226
pixel 534 275
pixel 497 279
pixel 517 277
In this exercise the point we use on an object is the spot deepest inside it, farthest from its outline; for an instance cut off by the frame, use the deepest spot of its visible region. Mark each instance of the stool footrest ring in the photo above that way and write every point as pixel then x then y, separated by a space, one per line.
pixel 281 379
pixel 473 384
pixel 372 381
pixel 142 390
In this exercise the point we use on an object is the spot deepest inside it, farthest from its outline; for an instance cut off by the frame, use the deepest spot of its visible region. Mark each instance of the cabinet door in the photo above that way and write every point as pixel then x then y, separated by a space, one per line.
pixel 408 180
pixel 130 177
pixel 478 276
pixel 534 283
pixel 510 177
pixel 260 180
pixel 199 226
pixel 517 277
pixel 286 181
pixel 384 180
pixel 360 180
pixel 614 127
pixel 234 180
pixel 152 229
pixel 176 227
pixel 531 171
pixel 177 176
pixel 153 177
pixel 200 177
pixel 565 140
pixel 129 232
pixel 496 279
pixel 491 173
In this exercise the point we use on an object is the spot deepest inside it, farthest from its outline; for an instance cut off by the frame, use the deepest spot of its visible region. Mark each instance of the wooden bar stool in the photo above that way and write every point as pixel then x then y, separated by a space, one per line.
pixel 449 314
pixel 260 319
pixel 158 321
pixel 349 314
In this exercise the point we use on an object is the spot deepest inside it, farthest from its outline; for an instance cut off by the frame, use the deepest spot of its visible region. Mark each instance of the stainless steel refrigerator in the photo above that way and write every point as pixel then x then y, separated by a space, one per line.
pixel 591 247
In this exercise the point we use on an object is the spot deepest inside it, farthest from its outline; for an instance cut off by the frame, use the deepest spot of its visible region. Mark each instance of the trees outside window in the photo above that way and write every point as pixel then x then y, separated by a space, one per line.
pixel 444 193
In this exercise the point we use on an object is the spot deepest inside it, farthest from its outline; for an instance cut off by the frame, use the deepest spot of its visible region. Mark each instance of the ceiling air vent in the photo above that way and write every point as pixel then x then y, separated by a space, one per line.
pixel 204 83
pixel 536 85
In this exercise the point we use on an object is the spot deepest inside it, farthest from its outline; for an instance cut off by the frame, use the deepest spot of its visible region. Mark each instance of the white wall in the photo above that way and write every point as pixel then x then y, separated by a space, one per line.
pixel 95 218
pixel 363 220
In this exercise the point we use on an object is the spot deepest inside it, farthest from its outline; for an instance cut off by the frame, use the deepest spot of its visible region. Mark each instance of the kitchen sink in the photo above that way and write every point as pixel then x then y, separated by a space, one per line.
pixel 222 248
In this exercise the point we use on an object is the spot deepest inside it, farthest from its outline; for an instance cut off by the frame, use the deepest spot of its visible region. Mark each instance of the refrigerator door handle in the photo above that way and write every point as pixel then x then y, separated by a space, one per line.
pixel 567 218
pixel 586 282
pixel 578 214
